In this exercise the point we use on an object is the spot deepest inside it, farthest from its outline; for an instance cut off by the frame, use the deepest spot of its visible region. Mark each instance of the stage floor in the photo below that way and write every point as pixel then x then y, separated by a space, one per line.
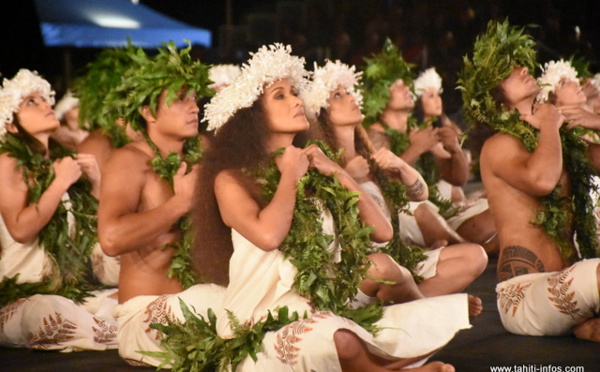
pixel 480 349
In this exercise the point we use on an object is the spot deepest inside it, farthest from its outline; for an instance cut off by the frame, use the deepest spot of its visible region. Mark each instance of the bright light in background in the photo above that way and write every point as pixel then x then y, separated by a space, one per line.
pixel 136 2
pixel 109 20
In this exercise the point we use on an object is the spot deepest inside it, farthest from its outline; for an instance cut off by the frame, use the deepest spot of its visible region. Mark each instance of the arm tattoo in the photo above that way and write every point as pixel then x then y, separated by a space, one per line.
pixel 416 189
pixel 516 260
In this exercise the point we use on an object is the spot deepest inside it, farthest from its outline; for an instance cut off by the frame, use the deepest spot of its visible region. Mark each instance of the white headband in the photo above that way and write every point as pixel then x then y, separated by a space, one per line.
pixel 552 73
pixel 428 79
pixel 266 66
pixel 327 79
pixel 14 90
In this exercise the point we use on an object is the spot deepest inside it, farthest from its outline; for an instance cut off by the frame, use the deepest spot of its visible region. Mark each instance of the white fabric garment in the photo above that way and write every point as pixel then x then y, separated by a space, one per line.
pixel 135 316
pixel 50 322
pixel 262 281
pixel 549 304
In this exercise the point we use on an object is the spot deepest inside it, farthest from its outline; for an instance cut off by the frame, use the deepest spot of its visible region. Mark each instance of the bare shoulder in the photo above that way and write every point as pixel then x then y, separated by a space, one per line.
pixel 227 178
pixel 96 141
pixel 501 146
pixel 131 154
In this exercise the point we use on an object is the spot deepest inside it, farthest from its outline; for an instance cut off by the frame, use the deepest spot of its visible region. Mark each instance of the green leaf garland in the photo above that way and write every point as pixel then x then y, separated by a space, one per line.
pixel 69 253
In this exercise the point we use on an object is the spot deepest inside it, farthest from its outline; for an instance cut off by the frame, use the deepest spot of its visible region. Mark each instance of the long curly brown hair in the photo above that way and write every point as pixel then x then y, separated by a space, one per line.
pixel 239 144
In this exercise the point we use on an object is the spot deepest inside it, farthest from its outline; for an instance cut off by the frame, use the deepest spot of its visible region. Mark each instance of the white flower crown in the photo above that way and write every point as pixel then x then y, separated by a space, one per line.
pixel 327 79
pixel 266 66
pixel 428 79
pixel 222 75
pixel 14 90
pixel 67 102
pixel 552 73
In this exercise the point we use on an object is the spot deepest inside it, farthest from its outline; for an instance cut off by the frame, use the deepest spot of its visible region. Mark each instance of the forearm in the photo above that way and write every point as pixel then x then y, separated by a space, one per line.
pixel 456 169
pixel 411 154
pixel 275 220
pixel 416 187
pixel 369 212
pixel 34 217
pixel 133 231
pixel 546 163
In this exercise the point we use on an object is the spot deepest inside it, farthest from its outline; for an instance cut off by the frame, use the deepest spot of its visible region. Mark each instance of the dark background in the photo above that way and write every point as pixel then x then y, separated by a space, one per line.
pixel 429 32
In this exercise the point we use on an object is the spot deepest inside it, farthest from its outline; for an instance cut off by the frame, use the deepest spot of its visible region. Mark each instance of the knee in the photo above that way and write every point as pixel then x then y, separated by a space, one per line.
pixel 477 258
pixel 347 345
pixel 385 268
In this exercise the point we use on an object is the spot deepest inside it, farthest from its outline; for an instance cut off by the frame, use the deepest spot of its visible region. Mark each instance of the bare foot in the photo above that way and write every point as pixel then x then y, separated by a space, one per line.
pixel 433 367
pixel 475 306
pixel 588 330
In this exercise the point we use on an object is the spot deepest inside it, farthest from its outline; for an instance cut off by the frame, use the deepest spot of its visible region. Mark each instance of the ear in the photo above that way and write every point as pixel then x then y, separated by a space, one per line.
pixel 12 128
pixel 147 114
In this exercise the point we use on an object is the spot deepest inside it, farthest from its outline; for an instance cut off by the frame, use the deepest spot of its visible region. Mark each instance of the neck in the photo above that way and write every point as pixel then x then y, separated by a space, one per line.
pixel 525 106
pixel 345 140
pixel 44 139
pixel 396 119
pixel 167 144
pixel 279 140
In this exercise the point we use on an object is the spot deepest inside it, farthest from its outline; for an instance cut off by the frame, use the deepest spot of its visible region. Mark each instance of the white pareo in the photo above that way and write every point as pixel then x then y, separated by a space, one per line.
pixel 50 322
pixel 262 281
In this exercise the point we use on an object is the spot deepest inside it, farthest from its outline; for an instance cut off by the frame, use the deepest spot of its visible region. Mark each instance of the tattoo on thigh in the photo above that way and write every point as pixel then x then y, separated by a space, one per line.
pixel 517 260
pixel 416 189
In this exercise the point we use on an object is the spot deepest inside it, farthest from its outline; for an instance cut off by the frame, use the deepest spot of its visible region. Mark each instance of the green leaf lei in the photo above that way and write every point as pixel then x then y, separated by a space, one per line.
pixel 70 254
pixel 425 165
pixel 196 346
pixel 166 168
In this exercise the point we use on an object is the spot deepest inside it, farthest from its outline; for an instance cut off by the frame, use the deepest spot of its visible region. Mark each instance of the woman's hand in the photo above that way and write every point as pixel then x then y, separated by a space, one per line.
pixel 388 161
pixel 67 171
pixel 319 161
pixel 293 161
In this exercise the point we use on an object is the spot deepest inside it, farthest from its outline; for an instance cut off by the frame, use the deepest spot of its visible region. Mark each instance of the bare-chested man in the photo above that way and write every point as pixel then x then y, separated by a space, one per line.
pixel 141 201
pixel 541 291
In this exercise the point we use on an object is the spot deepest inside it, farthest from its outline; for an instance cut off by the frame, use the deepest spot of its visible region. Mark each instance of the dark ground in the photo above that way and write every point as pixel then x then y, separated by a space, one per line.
pixel 485 345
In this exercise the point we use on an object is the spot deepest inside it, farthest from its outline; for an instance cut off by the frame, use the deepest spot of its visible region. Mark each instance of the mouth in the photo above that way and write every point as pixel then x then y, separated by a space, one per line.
pixel 299 114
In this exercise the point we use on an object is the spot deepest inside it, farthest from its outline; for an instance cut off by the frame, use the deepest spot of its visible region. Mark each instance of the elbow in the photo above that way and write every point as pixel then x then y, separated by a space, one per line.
pixel 544 185
pixel 22 237
pixel 269 242
pixel 382 232
pixel 109 243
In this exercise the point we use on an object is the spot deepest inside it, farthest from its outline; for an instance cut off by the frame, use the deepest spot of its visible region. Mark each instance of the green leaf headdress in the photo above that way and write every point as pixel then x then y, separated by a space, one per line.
pixel 380 72
pixel 100 77
pixel 147 77
pixel 495 54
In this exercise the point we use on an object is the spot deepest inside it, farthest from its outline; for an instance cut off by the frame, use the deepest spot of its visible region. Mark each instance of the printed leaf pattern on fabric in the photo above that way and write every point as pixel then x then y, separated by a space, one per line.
pixel 104 332
pixel 54 331
pixel 8 311
pixel 289 336
pixel 559 286
pixel 510 298
pixel 158 312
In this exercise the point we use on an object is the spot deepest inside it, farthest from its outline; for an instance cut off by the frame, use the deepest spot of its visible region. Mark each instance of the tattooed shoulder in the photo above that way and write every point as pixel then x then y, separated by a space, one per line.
pixel 517 260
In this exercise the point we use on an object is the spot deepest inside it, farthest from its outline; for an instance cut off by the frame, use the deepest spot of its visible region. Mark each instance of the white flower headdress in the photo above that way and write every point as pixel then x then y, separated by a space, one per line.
pixel 266 66
pixel 325 80
pixel 67 102
pixel 14 90
pixel 596 80
pixel 428 79
pixel 222 75
pixel 552 73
